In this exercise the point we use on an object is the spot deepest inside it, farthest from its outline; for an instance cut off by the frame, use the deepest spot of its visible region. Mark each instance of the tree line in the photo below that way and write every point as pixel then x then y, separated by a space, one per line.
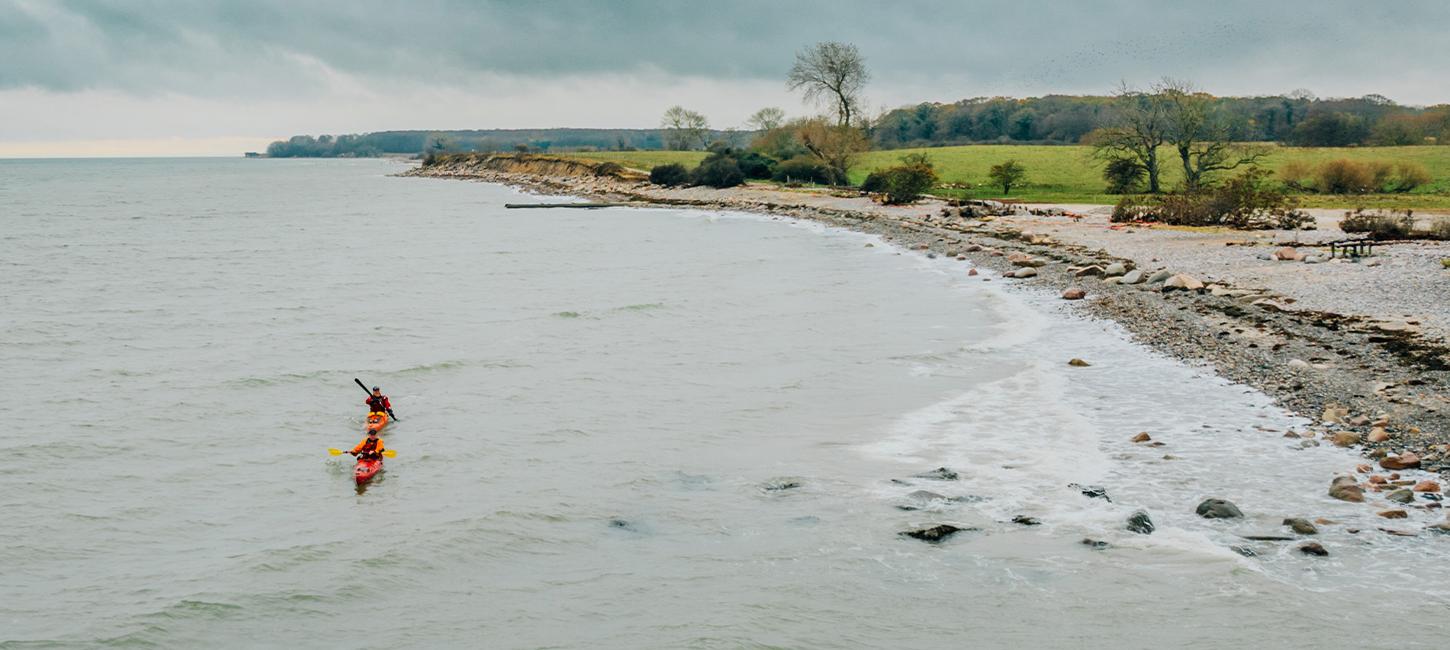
pixel 1298 119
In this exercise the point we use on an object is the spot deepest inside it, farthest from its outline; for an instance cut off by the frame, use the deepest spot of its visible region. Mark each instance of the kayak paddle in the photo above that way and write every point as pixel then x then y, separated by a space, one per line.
pixel 390 453
pixel 365 390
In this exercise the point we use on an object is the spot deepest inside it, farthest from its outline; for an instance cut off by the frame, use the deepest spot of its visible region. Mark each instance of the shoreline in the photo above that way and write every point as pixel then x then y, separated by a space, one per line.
pixel 1378 383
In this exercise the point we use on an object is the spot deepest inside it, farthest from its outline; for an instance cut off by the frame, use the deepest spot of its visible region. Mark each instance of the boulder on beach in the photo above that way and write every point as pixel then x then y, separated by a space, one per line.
pixel 1401 496
pixel 1182 281
pixel 1406 460
pixel 1426 486
pixel 1134 276
pixel 1078 363
pixel 1345 488
pixel 934 534
pixel 1159 276
pixel 1087 271
pixel 1073 293
pixel 1023 273
pixel 1115 269
pixel 1218 509
pixel 1378 434
pixel 1287 254
pixel 1140 523
pixel 1393 514
pixel 1346 439
pixel 1301 526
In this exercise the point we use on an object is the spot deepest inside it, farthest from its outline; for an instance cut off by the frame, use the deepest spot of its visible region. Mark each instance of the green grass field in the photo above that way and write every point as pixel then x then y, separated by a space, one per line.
pixel 1067 174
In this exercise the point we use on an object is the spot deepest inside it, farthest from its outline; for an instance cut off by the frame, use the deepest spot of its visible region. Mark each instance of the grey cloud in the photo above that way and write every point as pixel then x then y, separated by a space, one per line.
pixel 966 48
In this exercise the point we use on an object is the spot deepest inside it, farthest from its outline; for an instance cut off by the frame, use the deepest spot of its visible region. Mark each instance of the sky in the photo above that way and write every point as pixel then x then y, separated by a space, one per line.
pixel 216 77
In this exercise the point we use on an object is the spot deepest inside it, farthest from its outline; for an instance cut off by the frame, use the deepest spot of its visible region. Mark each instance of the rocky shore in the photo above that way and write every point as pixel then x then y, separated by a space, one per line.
pixel 1377 382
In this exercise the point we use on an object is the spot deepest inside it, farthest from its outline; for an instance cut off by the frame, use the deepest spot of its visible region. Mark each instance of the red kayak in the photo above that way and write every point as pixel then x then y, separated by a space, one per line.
pixel 365 470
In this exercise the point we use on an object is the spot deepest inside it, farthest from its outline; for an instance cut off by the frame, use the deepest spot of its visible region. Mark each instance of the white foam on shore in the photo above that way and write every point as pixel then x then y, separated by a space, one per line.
pixel 1019 440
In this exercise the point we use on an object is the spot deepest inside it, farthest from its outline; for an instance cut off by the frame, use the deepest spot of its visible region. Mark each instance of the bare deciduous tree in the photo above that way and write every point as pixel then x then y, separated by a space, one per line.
pixel 831 73
pixel 1140 127
pixel 766 119
pixel 684 129
pixel 1200 135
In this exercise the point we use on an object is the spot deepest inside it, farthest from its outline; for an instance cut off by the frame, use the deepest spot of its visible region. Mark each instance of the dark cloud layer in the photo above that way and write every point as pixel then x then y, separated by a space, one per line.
pixel 275 47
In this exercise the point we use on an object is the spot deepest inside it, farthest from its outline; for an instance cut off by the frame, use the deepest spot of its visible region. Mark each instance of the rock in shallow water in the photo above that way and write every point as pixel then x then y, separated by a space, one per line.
pixel 1345 488
pixel 780 484
pixel 1078 363
pixel 1218 509
pixel 1401 496
pixel 1301 526
pixel 1313 548
pixel 1406 460
pixel 1095 544
pixel 1091 491
pixel 1026 521
pixel 935 533
pixel 939 474
pixel 1141 523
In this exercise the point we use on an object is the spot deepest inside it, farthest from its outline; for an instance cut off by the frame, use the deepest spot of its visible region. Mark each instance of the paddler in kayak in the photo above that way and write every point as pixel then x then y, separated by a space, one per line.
pixel 371 447
pixel 378 403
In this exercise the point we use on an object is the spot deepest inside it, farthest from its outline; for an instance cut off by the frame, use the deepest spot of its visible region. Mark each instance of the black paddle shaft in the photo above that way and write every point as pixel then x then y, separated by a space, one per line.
pixel 365 390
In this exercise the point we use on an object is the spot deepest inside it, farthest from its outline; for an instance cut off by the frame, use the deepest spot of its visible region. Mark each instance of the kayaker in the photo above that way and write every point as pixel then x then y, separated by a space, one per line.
pixel 378 402
pixel 371 447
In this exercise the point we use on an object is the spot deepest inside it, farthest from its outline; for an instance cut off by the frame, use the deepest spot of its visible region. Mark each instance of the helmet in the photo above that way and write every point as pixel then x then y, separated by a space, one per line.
pixel 376 389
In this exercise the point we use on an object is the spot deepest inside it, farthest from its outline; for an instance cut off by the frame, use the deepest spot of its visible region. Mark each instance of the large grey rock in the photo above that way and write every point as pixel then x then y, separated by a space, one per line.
pixel 1401 496
pixel 1115 269
pixel 1159 276
pixel 1301 526
pixel 1134 276
pixel 1218 509
pixel 1023 273
pixel 1141 523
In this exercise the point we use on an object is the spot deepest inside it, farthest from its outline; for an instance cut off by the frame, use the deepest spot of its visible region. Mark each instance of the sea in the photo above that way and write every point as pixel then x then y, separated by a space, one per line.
pixel 619 428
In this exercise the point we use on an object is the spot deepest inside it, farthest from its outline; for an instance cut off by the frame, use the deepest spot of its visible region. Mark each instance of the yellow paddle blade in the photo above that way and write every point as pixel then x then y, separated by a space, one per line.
pixel 390 453
pixel 334 452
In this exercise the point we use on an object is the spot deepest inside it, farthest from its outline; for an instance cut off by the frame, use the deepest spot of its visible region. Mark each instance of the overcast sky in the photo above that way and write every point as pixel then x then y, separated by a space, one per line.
pixel 156 76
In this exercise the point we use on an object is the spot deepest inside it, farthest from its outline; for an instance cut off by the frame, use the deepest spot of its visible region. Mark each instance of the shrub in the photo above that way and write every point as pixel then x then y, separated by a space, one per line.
pixel 1297 175
pixel 1379 225
pixel 1123 176
pixel 608 169
pixel 1405 177
pixel 719 171
pixel 1007 175
pixel 802 169
pixel 1345 176
pixel 1245 201
pixel 875 182
pixel 906 182
pixel 756 165
pixel 1440 229
pixel 670 175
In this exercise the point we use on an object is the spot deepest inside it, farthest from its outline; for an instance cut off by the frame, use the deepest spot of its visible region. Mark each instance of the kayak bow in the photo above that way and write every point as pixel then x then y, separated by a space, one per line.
pixel 365 470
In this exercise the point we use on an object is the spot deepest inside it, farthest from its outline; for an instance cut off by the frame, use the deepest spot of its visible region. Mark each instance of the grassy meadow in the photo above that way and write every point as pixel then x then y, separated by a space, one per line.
pixel 1067 174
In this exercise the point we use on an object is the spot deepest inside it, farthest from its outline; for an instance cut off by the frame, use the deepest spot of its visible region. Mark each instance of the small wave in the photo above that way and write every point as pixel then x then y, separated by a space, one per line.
pixel 648 306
